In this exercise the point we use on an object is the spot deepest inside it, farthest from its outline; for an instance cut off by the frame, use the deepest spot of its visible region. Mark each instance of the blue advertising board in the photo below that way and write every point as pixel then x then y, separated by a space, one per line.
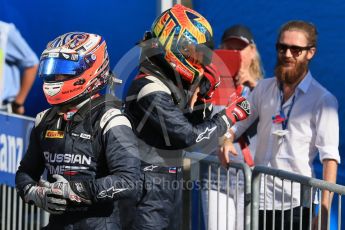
pixel 14 139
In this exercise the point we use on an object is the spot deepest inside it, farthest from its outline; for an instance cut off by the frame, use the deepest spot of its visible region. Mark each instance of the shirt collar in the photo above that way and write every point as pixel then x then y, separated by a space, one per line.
pixel 305 83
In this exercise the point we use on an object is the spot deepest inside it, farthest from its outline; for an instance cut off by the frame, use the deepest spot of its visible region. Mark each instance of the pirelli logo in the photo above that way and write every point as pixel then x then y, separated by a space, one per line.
pixel 54 134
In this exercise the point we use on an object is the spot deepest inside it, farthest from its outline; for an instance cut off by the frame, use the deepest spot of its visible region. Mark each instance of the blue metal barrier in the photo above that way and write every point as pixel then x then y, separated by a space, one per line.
pixel 14 139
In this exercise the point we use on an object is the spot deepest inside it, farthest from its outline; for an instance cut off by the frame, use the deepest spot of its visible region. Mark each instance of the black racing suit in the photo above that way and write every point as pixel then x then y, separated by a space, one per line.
pixel 97 146
pixel 164 131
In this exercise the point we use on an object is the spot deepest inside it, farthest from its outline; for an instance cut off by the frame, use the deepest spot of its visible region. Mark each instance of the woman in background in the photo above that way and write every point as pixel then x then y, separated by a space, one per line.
pixel 240 38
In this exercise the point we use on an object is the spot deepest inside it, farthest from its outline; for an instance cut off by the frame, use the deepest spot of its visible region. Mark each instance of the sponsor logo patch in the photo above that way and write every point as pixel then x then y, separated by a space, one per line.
pixel 206 134
pixel 85 136
pixel 52 89
pixel 149 168
pixel 54 134
pixel 110 192
pixel 172 170
pixel 65 55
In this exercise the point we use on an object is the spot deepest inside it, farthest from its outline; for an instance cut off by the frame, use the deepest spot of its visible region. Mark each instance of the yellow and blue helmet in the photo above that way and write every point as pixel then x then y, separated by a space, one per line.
pixel 187 41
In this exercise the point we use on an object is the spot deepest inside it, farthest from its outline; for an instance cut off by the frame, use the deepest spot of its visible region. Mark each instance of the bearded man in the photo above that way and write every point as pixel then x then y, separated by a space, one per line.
pixel 298 120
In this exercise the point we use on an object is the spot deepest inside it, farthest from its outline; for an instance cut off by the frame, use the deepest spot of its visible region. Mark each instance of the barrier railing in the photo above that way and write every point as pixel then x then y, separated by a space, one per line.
pixel 15 214
pixel 240 168
pixel 305 182
pixel 14 136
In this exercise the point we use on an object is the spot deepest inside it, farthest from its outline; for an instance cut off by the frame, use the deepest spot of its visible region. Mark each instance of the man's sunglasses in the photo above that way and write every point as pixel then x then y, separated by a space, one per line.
pixel 295 50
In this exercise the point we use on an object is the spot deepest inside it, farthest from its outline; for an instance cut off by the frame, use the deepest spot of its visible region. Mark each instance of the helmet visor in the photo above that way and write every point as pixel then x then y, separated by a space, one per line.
pixel 198 54
pixel 206 49
pixel 50 67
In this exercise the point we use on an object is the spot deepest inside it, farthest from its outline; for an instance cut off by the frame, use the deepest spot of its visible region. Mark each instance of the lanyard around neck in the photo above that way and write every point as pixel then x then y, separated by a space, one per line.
pixel 282 114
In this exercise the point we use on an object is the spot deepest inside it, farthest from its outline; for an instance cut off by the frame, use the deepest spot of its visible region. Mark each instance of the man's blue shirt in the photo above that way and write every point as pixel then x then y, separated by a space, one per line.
pixel 18 56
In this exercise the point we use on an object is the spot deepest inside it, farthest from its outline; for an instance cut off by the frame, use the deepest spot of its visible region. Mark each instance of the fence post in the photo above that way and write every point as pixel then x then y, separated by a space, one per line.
pixel 247 174
pixel 256 177
pixel 186 196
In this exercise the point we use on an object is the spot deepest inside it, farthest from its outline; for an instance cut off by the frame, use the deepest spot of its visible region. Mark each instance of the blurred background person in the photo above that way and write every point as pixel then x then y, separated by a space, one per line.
pixel 239 39
pixel 18 68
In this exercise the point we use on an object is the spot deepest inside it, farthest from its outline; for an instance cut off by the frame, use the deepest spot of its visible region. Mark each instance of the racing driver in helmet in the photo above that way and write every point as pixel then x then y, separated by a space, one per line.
pixel 83 141
pixel 175 72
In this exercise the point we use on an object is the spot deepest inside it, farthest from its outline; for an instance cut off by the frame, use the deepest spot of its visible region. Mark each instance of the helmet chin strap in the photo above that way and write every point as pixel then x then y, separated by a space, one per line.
pixel 75 107
pixel 113 82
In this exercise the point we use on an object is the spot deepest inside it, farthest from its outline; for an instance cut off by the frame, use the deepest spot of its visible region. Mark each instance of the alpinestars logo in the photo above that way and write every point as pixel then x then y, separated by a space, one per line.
pixel 110 192
pixel 149 168
pixel 206 134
